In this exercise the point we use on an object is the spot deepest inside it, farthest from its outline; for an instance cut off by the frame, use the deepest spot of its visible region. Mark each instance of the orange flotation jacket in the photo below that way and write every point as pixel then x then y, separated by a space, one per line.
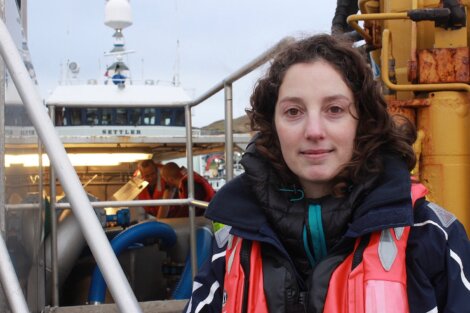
pixel 198 180
pixel 371 279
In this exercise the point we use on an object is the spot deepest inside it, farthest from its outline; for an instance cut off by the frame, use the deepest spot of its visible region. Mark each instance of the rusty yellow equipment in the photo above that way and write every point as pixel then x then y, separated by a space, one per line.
pixel 420 48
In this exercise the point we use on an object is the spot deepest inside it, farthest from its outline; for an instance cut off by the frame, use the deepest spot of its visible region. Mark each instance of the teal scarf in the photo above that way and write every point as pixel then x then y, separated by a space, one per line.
pixel 313 235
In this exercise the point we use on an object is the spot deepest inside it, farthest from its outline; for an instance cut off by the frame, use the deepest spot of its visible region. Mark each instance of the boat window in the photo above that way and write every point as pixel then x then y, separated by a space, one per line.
pixel 74 116
pixel 16 116
pixel 121 116
pixel 92 116
pixel 107 117
pixel 179 117
pixel 166 117
pixel 135 117
pixel 149 116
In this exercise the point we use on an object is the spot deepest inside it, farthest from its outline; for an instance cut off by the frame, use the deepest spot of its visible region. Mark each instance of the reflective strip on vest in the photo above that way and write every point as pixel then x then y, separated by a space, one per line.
pixel 235 278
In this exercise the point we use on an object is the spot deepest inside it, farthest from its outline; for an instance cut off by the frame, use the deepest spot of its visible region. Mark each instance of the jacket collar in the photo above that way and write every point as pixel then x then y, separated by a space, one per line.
pixel 387 204
pixel 382 202
pixel 235 204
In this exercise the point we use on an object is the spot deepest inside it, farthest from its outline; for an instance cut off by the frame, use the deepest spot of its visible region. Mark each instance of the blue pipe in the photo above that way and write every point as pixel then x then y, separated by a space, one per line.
pixel 204 250
pixel 123 240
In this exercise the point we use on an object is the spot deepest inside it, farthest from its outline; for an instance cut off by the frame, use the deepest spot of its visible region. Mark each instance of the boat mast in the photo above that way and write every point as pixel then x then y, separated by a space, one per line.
pixel 118 15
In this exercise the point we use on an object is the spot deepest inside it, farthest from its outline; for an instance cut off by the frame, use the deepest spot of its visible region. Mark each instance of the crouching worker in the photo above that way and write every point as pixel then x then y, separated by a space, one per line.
pixel 177 178
pixel 325 217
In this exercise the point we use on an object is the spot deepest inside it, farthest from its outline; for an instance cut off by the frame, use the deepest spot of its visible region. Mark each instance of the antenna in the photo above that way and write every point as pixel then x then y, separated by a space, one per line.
pixel 176 75
pixel 176 67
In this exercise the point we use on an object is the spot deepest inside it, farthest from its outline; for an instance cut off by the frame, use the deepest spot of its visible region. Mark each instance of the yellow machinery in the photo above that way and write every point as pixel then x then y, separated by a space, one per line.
pixel 421 50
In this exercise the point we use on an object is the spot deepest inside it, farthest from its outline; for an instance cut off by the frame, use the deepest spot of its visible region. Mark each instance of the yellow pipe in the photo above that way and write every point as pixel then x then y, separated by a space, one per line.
pixel 386 52
pixel 414 33
pixel 418 148
pixel 362 5
pixel 352 21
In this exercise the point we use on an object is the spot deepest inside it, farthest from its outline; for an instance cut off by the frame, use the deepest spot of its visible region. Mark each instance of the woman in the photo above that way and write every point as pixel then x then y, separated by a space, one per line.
pixel 322 220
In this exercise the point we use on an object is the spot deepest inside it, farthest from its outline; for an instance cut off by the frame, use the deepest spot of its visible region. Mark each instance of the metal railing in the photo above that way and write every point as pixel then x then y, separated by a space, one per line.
pixel 79 202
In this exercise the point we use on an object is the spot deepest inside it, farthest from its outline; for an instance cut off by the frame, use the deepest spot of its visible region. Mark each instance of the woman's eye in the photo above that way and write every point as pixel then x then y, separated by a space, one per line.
pixel 292 112
pixel 335 109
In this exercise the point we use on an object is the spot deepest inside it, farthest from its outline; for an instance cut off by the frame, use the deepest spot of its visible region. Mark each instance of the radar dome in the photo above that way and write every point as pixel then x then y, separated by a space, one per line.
pixel 118 14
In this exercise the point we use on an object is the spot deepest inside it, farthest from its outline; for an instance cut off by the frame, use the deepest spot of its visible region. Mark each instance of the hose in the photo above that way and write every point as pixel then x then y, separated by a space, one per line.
pixel 131 235
pixel 344 8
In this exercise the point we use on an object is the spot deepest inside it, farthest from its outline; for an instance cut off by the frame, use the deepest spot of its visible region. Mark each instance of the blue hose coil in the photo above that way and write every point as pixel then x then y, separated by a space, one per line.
pixel 122 241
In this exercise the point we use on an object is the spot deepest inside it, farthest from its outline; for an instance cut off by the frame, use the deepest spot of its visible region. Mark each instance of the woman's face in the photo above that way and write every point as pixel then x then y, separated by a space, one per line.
pixel 316 121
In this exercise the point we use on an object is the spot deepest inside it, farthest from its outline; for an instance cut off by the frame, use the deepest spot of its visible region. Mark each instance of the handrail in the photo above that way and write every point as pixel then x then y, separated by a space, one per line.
pixel 54 237
pixel 130 203
pixel 106 204
pixel 192 209
pixel 91 228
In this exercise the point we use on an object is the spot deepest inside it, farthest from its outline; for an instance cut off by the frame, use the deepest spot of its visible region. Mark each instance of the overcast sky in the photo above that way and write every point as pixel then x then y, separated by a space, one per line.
pixel 217 37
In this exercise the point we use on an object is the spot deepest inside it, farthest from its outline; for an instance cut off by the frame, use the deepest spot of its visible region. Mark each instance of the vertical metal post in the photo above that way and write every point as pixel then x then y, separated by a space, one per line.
pixel 53 221
pixel 3 201
pixel 228 131
pixel 2 137
pixel 36 298
pixel 192 208
pixel 10 283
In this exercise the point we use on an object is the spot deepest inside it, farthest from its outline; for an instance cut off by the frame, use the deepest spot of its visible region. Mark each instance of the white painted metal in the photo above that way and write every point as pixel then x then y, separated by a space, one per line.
pixel 82 95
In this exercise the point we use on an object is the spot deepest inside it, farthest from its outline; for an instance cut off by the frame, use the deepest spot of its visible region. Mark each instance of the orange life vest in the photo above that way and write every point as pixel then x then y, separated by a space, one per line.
pixel 236 281
pixel 376 284
pixel 372 286
pixel 157 194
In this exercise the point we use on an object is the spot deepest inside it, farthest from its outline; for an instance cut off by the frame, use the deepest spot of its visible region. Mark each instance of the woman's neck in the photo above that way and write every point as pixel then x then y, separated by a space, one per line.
pixel 315 190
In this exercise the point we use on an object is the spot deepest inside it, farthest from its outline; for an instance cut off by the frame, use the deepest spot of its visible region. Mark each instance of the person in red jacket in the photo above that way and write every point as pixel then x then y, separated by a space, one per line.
pixel 177 177
pixel 156 189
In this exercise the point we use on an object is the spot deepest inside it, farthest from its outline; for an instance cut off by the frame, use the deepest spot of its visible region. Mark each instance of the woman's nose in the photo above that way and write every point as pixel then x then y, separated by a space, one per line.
pixel 314 127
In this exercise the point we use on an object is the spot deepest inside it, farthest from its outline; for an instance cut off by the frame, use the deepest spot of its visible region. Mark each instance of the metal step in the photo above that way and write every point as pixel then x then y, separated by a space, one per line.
pixel 167 306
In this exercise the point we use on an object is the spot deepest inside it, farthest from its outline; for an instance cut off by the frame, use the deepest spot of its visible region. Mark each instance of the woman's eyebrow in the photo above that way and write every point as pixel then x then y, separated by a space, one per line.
pixel 290 99
pixel 338 97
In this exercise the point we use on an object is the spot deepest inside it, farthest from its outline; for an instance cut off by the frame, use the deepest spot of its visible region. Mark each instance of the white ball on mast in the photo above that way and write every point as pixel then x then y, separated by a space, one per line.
pixel 118 14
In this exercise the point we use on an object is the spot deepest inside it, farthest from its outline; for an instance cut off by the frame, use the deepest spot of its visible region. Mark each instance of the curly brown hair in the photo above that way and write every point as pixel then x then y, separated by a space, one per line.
pixel 377 133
